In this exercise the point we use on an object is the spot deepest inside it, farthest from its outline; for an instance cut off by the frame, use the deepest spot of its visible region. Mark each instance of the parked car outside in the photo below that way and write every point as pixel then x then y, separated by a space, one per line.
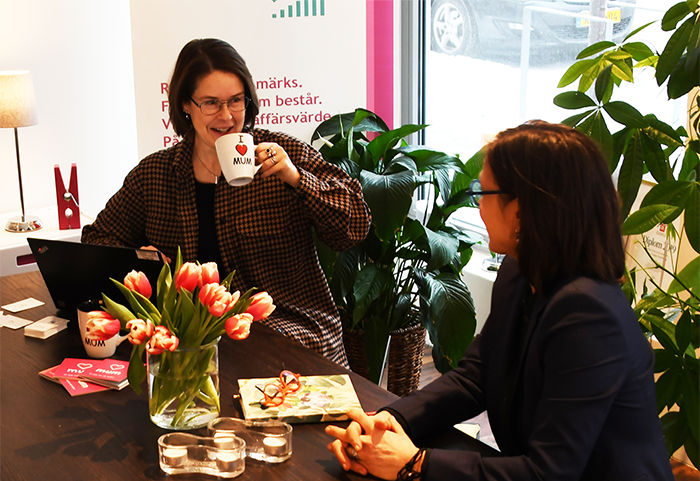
pixel 465 27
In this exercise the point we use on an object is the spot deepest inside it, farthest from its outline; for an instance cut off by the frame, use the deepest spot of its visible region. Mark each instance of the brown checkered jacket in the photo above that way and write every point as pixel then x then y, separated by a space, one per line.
pixel 264 230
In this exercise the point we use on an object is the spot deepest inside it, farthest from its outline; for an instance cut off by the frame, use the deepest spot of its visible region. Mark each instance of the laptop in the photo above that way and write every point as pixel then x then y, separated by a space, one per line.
pixel 75 272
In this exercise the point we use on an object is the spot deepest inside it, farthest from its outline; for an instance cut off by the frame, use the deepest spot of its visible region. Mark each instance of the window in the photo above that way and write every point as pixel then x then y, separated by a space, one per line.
pixel 474 79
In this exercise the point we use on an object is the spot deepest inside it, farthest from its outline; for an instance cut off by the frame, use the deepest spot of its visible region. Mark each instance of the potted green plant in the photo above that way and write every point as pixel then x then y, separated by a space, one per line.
pixel 644 144
pixel 405 261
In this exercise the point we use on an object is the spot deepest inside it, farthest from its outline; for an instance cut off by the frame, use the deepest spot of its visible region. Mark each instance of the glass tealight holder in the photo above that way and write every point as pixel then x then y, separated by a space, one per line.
pixel 180 453
pixel 268 441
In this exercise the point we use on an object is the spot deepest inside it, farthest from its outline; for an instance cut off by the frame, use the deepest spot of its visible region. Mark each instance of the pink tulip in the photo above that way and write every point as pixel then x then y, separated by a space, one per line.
pixel 238 326
pixel 261 307
pixel 139 330
pixel 217 299
pixel 101 326
pixel 209 274
pixel 138 282
pixel 161 340
pixel 187 276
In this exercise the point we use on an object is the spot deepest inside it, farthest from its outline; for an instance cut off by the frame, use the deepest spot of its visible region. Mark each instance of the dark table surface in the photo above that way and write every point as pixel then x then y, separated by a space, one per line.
pixel 47 434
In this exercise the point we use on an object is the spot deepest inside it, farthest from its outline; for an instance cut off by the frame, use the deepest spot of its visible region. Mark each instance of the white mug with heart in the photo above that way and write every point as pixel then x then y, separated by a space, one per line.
pixel 96 348
pixel 236 153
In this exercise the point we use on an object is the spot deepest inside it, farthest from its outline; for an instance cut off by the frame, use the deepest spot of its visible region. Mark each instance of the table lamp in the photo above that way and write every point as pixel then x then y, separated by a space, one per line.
pixel 18 109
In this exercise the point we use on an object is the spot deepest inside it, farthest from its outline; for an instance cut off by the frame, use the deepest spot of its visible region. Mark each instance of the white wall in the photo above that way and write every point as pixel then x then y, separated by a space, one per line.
pixel 79 53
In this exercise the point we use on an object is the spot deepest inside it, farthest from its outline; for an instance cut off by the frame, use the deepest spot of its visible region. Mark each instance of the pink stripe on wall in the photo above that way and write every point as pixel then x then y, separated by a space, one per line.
pixel 380 59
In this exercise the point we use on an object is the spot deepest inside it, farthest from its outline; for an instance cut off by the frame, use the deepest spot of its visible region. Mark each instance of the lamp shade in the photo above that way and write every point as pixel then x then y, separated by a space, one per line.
pixel 17 103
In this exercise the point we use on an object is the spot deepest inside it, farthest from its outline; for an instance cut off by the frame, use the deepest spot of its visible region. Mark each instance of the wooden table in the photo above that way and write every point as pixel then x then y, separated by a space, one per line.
pixel 47 434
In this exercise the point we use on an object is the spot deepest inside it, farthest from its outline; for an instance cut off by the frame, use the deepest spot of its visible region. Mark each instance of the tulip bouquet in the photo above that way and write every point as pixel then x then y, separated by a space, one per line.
pixel 180 335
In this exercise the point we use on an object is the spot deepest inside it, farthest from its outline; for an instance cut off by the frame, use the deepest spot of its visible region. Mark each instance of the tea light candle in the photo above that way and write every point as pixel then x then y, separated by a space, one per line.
pixel 227 461
pixel 175 457
pixel 275 445
pixel 224 441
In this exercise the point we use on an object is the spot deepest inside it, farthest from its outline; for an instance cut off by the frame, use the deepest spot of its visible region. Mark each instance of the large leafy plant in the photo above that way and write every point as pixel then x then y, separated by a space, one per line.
pixel 644 144
pixel 404 261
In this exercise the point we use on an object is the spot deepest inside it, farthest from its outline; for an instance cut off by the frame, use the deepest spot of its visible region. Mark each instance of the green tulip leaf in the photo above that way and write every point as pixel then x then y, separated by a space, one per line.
pixel 117 311
pixel 136 372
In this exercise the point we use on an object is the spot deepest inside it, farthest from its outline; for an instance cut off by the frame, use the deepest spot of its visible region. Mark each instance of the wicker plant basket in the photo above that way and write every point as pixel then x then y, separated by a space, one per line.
pixel 405 356
pixel 406 359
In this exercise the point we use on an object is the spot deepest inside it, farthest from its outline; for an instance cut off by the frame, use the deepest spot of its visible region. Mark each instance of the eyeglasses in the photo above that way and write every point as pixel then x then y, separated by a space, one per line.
pixel 213 106
pixel 275 393
pixel 476 193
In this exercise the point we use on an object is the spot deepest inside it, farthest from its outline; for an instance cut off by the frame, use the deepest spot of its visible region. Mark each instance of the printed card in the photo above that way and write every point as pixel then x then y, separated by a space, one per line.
pixel 108 372
pixel 72 368
pixel 13 322
pixel 50 374
pixel 25 304
pixel 78 388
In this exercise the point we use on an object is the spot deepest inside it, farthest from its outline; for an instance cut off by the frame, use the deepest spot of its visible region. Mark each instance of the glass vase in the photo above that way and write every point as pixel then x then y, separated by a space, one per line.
pixel 183 387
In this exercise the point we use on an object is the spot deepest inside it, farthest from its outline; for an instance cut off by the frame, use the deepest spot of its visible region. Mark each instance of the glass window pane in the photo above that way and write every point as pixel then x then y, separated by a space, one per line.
pixel 473 66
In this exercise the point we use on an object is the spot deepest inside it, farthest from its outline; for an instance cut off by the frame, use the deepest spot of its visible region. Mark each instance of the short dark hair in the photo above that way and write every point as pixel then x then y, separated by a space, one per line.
pixel 570 221
pixel 197 59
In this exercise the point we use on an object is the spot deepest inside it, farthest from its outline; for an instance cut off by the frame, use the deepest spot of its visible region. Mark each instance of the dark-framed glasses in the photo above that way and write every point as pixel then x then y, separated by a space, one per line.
pixel 213 106
pixel 477 193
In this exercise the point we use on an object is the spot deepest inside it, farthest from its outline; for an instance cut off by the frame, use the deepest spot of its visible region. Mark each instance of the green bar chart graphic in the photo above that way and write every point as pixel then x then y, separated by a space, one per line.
pixel 294 9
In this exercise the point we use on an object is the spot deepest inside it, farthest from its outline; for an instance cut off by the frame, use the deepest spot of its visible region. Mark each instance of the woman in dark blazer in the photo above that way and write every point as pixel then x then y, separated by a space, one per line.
pixel 561 365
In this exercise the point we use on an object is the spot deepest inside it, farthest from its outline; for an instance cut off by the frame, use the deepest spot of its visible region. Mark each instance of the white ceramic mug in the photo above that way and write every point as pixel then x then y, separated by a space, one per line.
pixel 236 153
pixel 96 348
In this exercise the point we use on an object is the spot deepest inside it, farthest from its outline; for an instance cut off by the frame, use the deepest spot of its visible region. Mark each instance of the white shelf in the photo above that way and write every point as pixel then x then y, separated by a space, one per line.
pixel 14 246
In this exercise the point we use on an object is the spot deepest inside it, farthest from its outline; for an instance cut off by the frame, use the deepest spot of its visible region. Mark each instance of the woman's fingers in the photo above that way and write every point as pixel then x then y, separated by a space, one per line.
pixel 340 450
pixel 273 160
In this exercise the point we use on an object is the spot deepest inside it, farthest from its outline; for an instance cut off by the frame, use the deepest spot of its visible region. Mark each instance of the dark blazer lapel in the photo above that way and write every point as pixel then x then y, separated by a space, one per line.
pixel 514 379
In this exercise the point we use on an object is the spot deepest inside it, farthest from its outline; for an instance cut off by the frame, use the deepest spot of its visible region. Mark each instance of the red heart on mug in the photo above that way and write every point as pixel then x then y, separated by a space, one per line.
pixel 242 148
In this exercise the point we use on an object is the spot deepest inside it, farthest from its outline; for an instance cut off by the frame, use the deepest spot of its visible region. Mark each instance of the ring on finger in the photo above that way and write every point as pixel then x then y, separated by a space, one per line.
pixel 352 454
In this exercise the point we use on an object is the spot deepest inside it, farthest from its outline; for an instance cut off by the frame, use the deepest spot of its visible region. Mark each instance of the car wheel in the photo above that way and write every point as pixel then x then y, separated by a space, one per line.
pixel 453 28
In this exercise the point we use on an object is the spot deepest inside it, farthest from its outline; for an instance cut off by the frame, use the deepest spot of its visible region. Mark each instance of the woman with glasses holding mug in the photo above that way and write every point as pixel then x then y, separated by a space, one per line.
pixel 561 365
pixel 177 197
